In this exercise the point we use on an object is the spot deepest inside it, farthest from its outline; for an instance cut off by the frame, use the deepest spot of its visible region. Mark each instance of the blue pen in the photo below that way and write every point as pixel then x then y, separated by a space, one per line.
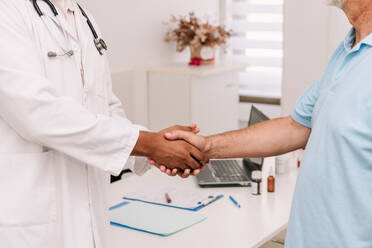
pixel 234 201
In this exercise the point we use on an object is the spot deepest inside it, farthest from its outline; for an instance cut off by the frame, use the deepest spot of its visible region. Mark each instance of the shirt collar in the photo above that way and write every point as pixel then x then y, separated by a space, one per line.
pixel 368 40
pixel 65 5
pixel 350 39
pixel 59 20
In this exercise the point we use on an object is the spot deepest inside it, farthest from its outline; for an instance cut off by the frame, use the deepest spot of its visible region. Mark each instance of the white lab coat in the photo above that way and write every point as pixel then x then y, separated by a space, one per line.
pixel 59 140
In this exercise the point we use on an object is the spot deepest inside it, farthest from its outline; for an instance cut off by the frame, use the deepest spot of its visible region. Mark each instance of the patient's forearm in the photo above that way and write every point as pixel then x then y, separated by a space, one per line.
pixel 265 139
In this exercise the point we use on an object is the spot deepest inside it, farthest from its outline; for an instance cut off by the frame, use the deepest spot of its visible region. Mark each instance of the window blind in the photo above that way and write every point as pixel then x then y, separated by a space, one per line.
pixel 258 42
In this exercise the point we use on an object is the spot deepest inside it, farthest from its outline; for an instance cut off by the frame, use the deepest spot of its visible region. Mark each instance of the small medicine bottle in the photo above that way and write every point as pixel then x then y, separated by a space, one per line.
pixel 256 182
pixel 271 181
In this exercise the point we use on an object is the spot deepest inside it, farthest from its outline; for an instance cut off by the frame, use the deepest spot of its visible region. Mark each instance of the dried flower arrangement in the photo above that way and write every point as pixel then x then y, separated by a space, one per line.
pixel 191 32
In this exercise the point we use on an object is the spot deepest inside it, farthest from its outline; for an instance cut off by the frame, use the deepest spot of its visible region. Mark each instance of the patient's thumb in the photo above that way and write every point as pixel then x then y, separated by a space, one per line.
pixel 170 136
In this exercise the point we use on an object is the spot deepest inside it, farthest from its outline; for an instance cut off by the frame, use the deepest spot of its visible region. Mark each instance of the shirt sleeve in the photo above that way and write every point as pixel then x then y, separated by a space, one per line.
pixel 303 111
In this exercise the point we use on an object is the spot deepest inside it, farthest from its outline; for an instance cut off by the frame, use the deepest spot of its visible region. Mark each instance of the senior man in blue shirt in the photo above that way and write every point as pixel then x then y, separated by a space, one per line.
pixel 332 205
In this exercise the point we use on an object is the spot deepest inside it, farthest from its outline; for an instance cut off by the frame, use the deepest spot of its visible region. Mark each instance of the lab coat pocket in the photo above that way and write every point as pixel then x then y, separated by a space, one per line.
pixel 27 189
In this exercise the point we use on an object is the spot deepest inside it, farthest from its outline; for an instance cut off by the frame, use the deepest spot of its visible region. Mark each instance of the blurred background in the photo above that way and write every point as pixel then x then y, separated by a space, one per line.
pixel 285 46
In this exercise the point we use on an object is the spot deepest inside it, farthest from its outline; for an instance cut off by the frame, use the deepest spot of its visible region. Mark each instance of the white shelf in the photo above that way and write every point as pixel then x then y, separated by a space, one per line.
pixel 200 71
pixel 260 93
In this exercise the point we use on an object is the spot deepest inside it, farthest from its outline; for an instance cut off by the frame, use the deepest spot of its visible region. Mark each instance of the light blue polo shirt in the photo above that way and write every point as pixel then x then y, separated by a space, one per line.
pixel 332 205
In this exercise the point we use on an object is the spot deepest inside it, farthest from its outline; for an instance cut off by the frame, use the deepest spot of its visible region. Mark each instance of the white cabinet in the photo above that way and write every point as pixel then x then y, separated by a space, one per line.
pixel 207 96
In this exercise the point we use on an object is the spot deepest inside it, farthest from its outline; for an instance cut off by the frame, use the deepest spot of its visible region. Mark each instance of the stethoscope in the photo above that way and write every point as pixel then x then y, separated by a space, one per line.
pixel 98 42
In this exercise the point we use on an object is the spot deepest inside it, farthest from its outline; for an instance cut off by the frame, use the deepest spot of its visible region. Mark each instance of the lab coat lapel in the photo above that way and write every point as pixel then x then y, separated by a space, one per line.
pixel 84 39
pixel 96 74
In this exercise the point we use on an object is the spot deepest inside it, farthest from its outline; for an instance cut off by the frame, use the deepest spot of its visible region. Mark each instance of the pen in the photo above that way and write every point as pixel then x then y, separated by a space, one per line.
pixel 207 201
pixel 234 201
pixel 167 198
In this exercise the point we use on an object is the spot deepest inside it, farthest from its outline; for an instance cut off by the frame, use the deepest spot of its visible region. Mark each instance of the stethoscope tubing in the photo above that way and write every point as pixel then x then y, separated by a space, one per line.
pixel 99 43
pixel 89 22
pixel 51 6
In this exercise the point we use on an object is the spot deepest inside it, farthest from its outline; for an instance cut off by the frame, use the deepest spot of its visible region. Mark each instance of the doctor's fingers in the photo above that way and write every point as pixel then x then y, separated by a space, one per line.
pixel 195 159
pixel 164 169
pixel 199 156
pixel 188 173
pixel 171 172
pixel 184 174
pixel 195 172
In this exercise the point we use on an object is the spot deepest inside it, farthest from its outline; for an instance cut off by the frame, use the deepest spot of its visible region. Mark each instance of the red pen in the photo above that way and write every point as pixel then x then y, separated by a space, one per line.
pixel 167 198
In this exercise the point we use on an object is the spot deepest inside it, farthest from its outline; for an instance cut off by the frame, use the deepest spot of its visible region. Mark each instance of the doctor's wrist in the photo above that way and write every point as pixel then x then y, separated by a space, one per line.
pixel 145 144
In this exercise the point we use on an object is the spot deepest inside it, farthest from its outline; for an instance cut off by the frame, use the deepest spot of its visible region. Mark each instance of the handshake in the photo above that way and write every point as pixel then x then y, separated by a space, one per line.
pixel 177 150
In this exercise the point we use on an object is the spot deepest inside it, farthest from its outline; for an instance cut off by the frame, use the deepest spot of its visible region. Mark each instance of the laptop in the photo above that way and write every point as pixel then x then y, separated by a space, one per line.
pixel 233 172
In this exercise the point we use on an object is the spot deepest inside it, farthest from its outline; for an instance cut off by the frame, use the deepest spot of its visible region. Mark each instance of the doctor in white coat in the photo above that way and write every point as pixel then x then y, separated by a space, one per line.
pixel 62 130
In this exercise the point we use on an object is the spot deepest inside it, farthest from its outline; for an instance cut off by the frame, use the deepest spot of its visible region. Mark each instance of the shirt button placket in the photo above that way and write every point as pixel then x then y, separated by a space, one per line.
pixel 85 98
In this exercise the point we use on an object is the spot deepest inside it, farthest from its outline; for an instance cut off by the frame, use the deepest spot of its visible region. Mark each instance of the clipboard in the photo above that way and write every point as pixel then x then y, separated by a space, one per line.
pixel 152 219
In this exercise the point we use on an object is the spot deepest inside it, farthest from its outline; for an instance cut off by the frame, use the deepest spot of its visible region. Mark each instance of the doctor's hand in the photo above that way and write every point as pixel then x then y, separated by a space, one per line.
pixel 192 138
pixel 173 154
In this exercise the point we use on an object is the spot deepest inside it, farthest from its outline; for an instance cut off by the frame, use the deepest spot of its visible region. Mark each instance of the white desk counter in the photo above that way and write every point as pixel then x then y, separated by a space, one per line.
pixel 259 219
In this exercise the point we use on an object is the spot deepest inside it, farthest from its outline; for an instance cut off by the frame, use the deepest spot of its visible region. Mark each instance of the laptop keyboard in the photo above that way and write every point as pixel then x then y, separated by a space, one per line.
pixel 228 171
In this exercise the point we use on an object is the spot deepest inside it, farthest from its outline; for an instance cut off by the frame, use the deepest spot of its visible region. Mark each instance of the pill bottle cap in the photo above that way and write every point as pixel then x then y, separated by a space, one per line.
pixel 256 175
pixel 271 172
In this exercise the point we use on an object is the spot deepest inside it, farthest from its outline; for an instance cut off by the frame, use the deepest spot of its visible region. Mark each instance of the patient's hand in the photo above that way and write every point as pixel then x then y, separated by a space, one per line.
pixel 199 142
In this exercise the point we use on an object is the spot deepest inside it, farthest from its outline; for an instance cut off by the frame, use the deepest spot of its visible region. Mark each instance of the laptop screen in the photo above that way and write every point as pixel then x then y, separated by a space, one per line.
pixel 255 117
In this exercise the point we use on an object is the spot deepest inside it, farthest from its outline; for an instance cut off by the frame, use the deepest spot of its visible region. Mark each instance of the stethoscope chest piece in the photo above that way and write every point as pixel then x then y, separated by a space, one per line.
pixel 100 45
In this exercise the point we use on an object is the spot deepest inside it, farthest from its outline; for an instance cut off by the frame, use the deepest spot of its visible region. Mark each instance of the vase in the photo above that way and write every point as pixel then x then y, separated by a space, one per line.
pixel 202 55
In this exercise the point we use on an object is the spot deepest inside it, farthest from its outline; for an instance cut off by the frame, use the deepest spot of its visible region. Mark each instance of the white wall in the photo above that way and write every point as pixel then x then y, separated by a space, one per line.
pixel 312 32
pixel 134 32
